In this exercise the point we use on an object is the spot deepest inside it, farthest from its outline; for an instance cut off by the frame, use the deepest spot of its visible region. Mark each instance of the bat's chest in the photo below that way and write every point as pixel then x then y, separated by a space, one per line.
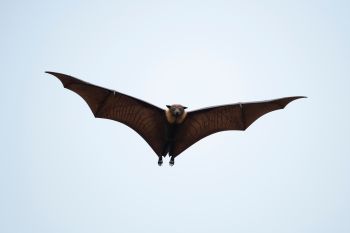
pixel 170 131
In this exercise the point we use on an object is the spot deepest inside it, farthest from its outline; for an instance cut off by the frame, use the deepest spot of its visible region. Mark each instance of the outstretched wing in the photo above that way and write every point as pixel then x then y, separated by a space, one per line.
pixel 146 119
pixel 203 122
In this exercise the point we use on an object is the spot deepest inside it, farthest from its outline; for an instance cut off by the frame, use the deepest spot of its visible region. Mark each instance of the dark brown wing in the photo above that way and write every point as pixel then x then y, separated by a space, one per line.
pixel 203 122
pixel 146 119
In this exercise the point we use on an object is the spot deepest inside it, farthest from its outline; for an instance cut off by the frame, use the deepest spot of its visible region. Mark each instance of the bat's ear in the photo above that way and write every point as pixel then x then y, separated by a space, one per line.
pixel 168 106
pixel 185 107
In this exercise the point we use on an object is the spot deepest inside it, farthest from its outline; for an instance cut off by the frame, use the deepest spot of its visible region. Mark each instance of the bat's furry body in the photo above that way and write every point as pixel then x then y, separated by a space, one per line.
pixel 173 130
pixel 175 116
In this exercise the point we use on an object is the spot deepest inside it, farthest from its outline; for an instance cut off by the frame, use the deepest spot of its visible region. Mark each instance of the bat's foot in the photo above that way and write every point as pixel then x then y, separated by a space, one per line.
pixel 172 161
pixel 160 161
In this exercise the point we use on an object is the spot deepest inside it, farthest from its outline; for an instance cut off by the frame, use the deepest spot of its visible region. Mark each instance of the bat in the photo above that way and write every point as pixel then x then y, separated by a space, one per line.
pixel 171 130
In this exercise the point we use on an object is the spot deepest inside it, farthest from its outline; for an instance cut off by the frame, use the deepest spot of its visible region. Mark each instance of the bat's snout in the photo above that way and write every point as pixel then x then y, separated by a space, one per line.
pixel 177 112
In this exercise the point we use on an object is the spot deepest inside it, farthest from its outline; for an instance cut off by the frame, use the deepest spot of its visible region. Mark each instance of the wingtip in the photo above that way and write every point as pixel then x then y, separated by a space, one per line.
pixel 65 79
pixel 297 97
pixel 56 74
pixel 51 72
pixel 287 100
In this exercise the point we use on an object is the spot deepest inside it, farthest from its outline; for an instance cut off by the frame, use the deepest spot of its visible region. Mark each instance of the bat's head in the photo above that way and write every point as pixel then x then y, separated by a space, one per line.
pixel 176 110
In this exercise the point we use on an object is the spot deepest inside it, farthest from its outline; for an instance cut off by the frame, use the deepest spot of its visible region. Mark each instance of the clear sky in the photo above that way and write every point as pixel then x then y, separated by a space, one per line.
pixel 62 170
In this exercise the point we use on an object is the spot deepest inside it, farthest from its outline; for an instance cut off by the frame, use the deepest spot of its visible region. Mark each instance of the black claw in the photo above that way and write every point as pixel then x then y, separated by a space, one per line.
pixel 160 161
pixel 171 162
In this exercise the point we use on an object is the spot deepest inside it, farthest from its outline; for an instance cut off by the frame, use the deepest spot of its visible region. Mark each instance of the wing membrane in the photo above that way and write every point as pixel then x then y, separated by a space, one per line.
pixel 146 119
pixel 204 122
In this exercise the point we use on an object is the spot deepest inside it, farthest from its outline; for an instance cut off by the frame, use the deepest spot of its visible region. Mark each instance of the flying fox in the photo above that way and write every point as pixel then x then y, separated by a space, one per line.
pixel 172 130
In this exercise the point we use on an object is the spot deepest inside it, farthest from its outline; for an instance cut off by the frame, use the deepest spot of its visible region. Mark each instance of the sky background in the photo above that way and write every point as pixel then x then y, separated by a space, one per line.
pixel 62 170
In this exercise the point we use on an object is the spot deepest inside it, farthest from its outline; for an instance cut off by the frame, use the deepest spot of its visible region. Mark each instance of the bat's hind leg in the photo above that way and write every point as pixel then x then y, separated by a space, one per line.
pixel 172 161
pixel 160 160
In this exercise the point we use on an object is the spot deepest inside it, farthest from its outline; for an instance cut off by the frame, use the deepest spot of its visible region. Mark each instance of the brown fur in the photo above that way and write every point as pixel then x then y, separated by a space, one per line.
pixel 172 119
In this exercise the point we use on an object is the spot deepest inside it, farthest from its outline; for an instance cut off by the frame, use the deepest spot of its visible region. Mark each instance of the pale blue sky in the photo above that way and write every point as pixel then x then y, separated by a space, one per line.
pixel 62 170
